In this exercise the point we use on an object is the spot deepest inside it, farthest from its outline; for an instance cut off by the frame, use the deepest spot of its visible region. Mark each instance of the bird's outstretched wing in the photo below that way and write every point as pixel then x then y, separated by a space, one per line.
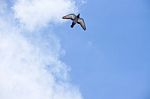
pixel 69 16
pixel 82 23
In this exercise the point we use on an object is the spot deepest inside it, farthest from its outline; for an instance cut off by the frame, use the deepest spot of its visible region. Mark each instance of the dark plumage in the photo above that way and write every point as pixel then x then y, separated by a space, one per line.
pixel 75 19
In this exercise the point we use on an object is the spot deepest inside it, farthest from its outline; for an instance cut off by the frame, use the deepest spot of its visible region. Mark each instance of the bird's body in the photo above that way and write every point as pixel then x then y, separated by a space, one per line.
pixel 75 19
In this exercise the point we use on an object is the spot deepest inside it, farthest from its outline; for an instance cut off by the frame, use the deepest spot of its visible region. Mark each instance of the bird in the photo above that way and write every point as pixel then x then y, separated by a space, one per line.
pixel 75 19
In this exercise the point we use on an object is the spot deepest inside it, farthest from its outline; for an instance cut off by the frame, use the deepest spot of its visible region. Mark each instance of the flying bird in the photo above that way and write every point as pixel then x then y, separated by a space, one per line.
pixel 75 19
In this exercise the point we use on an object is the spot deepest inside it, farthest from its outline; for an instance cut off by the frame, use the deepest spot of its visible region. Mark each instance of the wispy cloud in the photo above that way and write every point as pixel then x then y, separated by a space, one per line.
pixel 38 13
pixel 30 65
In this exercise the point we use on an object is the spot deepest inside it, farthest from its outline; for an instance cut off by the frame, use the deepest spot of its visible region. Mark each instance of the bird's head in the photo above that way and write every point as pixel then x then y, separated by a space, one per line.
pixel 78 16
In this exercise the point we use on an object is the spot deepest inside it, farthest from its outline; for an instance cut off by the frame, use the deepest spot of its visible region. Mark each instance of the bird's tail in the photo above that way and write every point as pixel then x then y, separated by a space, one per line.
pixel 72 25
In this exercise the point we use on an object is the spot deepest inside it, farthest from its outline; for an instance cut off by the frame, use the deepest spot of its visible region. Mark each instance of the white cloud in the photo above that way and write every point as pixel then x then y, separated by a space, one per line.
pixel 30 66
pixel 38 13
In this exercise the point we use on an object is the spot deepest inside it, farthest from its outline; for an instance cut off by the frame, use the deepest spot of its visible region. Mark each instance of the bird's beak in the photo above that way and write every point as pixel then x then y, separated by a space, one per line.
pixel 63 17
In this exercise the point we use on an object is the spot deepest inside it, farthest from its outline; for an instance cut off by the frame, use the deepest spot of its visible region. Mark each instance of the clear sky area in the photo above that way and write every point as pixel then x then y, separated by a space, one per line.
pixel 41 57
pixel 111 60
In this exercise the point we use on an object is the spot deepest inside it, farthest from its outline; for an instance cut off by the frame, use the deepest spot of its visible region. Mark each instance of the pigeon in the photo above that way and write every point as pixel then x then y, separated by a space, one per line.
pixel 75 19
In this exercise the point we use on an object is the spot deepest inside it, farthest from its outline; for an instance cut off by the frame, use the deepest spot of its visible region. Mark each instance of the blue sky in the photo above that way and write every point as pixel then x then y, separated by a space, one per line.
pixel 111 59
